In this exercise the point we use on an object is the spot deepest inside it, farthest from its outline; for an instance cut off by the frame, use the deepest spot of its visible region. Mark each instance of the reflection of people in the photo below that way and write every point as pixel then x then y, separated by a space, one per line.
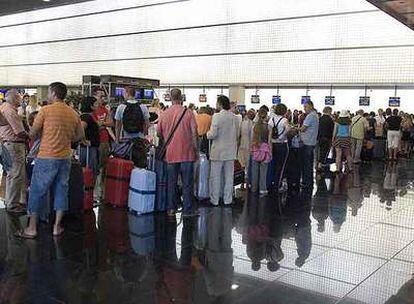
pixel 337 202
pixel 216 261
pixel 390 184
pixel 320 203
pixel 303 237
pixel 355 197
pixel 404 295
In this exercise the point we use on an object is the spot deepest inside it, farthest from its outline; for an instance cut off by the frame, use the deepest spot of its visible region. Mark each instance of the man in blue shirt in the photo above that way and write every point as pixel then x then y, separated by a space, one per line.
pixel 309 136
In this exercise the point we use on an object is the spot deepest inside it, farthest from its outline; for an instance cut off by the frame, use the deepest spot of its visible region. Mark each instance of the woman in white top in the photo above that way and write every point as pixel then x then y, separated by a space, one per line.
pixel 245 140
pixel 380 121
pixel 280 128
pixel 32 107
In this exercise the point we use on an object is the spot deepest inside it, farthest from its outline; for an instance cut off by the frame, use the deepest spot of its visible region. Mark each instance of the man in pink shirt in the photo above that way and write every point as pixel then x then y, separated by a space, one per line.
pixel 181 152
pixel 13 135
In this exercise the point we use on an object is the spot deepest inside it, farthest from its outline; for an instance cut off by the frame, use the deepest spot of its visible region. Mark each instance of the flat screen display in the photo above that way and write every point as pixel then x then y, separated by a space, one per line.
pixel 167 97
pixel 276 99
pixel 394 101
pixel 305 99
pixel 119 92
pixel 148 94
pixel 183 97
pixel 242 109
pixel 202 98
pixel 138 94
pixel 329 100
pixel 364 101
pixel 255 99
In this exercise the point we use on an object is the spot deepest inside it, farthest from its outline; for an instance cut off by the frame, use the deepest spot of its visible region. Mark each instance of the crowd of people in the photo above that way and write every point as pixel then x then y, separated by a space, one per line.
pixel 278 148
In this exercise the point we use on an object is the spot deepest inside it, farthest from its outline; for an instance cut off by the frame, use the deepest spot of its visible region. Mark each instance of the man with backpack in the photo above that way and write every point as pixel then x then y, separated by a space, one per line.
pixel 131 118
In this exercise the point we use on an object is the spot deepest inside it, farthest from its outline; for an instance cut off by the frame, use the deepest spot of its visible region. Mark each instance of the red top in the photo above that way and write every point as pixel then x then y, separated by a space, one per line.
pixel 181 148
pixel 101 114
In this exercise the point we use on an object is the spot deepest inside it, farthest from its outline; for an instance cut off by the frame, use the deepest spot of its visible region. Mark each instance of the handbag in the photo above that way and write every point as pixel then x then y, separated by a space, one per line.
pixel 162 150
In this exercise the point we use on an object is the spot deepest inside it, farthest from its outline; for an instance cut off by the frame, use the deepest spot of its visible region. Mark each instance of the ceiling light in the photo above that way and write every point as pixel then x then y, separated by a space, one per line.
pixel 46 0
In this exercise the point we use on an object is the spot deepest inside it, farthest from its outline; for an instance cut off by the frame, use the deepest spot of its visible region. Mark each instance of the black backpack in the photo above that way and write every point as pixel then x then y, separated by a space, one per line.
pixel 133 118
pixel 275 129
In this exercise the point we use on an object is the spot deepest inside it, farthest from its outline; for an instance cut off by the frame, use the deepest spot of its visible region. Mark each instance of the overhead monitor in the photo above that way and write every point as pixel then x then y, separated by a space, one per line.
pixel 305 100
pixel 167 97
pixel 255 99
pixel 276 99
pixel 364 101
pixel 202 98
pixel 394 102
pixel 138 94
pixel 329 100
pixel 119 91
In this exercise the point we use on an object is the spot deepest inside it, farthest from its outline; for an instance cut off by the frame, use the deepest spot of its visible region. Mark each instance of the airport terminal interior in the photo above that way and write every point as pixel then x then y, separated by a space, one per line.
pixel 207 151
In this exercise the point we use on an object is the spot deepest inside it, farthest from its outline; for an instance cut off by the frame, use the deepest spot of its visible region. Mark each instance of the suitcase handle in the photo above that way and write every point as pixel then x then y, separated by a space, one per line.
pixel 87 155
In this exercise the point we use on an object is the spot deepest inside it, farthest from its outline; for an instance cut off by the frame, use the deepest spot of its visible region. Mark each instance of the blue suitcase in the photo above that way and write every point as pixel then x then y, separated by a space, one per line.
pixel 142 189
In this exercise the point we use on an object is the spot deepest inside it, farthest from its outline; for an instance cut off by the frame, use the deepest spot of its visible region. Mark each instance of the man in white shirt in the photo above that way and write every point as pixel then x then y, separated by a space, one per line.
pixel 223 135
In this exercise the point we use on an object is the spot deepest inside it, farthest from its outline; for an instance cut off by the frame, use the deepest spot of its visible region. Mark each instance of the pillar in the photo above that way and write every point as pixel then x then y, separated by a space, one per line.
pixel 237 94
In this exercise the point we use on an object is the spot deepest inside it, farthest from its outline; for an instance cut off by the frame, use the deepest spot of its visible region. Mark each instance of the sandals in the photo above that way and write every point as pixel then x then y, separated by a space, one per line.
pixel 23 235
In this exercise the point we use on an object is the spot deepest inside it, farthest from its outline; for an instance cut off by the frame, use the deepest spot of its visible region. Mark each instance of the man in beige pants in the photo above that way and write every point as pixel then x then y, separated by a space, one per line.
pixel 13 135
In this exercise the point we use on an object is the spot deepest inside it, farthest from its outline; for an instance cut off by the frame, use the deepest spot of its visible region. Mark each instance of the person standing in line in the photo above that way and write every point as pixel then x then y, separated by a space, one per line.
pixel 359 125
pixel 223 133
pixel 393 125
pixel 261 153
pixel 280 127
pixel 379 126
pixel 203 120
pixel 104 120
pixel 309 137
pixel 326 128
pixel 13 135
pixel 181 153
pixel 131 118
pixel 341 139
pixel 89 148
pixel 246 129
pixel 59 126
pixel 406 141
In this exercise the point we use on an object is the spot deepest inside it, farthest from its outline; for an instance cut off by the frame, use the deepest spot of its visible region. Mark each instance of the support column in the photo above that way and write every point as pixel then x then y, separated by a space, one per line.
pixel 237 94
pixel 42 93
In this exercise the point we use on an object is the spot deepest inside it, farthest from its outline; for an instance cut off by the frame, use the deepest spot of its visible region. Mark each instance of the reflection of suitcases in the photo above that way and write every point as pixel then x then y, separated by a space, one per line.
pixel 142 189
pixel 379 149
pixel 118 173
pixel 115 225
pixel 89 183
pixel 202 175
pixel 142 236
pixel 239 174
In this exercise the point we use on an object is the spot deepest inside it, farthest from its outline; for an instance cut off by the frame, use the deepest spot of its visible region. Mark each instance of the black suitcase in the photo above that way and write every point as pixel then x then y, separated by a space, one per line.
pixel 76 188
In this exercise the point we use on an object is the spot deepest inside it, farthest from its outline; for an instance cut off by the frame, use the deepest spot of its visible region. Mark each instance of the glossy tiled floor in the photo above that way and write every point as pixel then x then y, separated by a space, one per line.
pixel 352 242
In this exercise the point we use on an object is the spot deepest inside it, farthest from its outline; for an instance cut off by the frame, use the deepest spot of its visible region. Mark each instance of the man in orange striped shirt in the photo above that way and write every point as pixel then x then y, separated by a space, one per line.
pixel 59 127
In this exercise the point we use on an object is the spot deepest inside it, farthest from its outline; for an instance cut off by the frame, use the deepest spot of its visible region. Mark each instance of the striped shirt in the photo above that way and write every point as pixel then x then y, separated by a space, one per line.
pixel 11 124
pixel 58 124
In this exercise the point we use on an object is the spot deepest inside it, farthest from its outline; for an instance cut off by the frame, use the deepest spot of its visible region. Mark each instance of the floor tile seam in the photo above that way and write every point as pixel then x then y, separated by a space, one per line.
pixel 374 272
pixel 321 276
pixel 396 226
pixel 362 254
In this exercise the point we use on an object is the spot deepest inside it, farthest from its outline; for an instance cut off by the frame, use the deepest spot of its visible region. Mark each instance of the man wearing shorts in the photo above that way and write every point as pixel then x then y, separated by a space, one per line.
pixel 393 124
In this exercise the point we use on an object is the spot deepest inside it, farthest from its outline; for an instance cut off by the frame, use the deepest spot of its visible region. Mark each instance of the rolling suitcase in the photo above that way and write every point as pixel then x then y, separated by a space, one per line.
pixel 89 184
pixel 141 233
pixel 76 188
pixel 162 191
pixel 142 189
pixel 202 175
pixel 239 174
pixel 118 173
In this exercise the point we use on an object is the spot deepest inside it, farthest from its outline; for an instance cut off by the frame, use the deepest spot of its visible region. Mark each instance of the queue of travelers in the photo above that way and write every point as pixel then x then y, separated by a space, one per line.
pixel 278 148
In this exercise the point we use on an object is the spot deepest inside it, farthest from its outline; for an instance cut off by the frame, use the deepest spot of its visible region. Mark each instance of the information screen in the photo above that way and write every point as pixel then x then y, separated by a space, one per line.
pixel 276 99
pixel 202 98
pixel 148 94
pixel 364 101
pixel 255 99
pixel 305 99
pixel 119 91
pixel 394 101
pixel 329 100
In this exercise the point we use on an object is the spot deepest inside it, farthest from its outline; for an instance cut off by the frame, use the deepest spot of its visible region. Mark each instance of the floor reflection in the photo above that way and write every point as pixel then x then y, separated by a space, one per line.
pixel 350 241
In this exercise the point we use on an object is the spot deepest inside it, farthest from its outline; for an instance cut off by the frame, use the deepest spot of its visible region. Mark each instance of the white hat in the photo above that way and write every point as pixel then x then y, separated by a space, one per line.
pixel 344 113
